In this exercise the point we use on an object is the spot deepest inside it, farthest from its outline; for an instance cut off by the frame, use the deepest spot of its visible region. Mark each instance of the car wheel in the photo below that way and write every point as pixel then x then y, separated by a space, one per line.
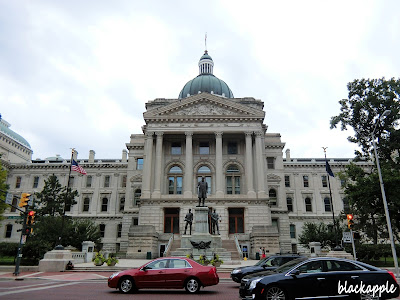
pixel 126 285
pixel 275 293
pixel 368 297
pixel 192 285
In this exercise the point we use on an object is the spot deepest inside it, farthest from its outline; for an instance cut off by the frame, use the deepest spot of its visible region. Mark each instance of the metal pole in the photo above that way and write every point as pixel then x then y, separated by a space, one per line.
pixel 352 244
pixel 19 252
pixel 389 225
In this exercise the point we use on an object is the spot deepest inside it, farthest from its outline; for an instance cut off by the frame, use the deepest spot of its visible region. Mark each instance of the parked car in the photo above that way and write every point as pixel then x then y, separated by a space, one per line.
pixel 268 263
pixel 165 273
pixel 321 278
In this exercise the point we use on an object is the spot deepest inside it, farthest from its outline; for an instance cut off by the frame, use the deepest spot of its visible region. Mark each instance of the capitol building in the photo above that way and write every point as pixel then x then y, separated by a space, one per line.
pixel 262 195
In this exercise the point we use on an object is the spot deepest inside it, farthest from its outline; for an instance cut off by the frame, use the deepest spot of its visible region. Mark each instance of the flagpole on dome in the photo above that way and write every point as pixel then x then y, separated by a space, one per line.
pixel 330 173
pixel 60 246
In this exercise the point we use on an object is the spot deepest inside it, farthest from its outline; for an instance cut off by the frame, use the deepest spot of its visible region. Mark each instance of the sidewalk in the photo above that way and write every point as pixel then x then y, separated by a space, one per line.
pixel 102 273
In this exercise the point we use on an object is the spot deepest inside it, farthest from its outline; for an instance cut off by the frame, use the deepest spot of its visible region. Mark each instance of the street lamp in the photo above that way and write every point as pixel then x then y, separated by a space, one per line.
pixel 389 225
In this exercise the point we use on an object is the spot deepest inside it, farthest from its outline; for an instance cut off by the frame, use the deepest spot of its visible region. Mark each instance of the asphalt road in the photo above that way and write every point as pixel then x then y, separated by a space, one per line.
pixel 98 290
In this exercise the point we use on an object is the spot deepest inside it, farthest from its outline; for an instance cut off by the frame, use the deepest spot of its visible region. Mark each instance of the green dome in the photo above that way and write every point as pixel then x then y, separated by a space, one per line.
pixel 206 81
pixel 4 128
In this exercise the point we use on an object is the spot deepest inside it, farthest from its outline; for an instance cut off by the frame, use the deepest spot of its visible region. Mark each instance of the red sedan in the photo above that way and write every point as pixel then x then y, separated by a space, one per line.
pixel 165 273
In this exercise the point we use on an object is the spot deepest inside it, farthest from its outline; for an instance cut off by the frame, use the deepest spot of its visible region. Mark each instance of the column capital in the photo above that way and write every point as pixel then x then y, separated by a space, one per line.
pixel 258 133
pixel 159 133
pixel 189 133
pixel 218 134
pixel 149 134
pixel 248 133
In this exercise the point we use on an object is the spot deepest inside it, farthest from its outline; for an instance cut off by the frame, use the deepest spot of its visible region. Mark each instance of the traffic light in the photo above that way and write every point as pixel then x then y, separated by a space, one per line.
pixel 30 220
pixel 350 222
pixel 24 200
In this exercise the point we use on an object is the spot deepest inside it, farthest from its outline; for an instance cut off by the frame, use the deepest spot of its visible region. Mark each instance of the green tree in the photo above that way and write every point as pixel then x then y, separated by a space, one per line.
pixel 3 188
pixel 320 232
pixel 367 100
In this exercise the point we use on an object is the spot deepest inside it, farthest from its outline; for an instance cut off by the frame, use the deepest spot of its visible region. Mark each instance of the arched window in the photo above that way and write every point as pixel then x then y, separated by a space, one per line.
pixel 308 204
pixel 327 204
pixel 205 172
pixel 232 180
pixel 272 197
pixel 175 180
pixel 136 197
pixel 289 202
pixel 86 204
pixel 104 204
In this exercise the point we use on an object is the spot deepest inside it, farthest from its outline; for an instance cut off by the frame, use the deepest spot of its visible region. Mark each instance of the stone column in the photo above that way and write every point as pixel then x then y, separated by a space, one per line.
pixel 188 179
pixel 249 165
pixel 260 165
pixel 158 162
pixel 218 166
pixel 147 165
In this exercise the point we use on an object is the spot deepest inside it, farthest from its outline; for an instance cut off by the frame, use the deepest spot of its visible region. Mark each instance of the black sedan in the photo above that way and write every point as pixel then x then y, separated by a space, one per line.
pixel 321 278
pixel 265 264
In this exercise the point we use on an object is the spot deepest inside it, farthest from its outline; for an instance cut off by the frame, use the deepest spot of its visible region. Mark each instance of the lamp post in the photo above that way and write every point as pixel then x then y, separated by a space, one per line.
pixel 389 224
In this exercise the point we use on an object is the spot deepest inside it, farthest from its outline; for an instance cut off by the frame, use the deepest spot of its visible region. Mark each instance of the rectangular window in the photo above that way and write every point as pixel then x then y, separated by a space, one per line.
pixel 119 231
pixel 107 181
pixel 287 181
pixel 9 228
pixel 175 185
pixel 324 181
pixel 71 181
pixel 292 231
pixel 204 148
pixel 86 204
pixel 233 185
pixel 88 181
pixel 104 204
pixel 135 221
pixel 139 165
pixel 275 223
pixel 236 220
pixel 136 197
pixel 289 202
pixel 122 204
pixel 18 182
pixel 305 180
pixel 123 183
pixel 102 230
pixel 271 163
pixel 232 148
pixel 176 148
pixel 35 182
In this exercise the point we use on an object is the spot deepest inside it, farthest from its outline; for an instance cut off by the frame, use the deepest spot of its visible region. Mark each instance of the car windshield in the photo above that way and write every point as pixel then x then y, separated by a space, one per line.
pixel 286 267
pixel 262 261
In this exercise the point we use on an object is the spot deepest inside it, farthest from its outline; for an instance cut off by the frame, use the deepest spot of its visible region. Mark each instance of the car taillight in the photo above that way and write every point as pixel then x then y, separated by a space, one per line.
pixel 392 274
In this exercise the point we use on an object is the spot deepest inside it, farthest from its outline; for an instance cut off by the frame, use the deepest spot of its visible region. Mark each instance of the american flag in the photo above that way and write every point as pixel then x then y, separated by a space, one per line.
pixel 77 168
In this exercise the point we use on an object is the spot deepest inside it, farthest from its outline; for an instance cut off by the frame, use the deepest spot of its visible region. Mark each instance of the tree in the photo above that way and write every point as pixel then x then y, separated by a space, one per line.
pixel 321 232
pixel 367 100
pixel 3 188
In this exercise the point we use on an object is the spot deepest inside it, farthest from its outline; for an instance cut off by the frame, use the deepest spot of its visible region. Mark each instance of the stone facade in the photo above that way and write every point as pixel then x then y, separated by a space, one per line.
pixel 262 196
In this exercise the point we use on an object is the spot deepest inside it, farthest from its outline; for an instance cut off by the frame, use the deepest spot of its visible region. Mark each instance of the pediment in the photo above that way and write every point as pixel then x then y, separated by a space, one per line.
pixel 273 178
pixel 136 178
pixel 204 105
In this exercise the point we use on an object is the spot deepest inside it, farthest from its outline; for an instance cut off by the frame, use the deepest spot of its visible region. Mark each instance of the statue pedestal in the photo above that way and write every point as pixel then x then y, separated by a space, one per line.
pixel 201 220
pixel 55 261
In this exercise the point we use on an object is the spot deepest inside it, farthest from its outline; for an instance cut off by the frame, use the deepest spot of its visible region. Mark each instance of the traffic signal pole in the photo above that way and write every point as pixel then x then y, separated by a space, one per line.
pixel 21 242
pixel 352 244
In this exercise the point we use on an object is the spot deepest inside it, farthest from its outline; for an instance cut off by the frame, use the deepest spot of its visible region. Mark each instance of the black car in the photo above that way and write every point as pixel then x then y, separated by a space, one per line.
pixel 268 263
pixel 321 278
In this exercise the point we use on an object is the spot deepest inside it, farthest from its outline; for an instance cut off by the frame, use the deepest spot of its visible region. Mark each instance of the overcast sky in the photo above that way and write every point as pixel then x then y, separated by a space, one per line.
pixel 78 73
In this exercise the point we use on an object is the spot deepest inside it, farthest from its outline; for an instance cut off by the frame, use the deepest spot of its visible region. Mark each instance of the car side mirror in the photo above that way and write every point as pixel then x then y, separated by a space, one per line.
pixel 145 268
pixel 295 272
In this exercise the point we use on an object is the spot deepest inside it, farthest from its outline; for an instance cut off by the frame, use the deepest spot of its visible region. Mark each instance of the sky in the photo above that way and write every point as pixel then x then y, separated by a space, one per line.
pixel 77 74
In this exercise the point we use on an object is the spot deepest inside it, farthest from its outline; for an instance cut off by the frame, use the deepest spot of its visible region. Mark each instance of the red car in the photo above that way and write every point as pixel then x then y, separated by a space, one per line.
pixel 165 273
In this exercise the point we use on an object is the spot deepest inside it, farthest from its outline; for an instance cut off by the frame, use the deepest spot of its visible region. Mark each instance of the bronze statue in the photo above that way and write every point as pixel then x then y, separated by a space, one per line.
pixel 189 221
pixel 214 222
pixel 203 187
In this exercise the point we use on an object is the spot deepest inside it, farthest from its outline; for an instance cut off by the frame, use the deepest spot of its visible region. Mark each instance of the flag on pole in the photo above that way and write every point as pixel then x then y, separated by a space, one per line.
pixel 328 169
pixel 77 168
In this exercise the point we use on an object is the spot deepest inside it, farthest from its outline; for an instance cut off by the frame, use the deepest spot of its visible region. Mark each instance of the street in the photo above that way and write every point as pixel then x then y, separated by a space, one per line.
pixel 98 290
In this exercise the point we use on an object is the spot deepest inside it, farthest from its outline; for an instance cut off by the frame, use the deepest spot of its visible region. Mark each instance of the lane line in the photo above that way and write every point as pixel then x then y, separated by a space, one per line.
pixel 21 290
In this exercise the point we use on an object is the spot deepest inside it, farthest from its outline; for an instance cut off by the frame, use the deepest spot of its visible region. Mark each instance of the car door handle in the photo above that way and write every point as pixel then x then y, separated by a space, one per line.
pixel 320 278
pixel 354 277
pixel 161 272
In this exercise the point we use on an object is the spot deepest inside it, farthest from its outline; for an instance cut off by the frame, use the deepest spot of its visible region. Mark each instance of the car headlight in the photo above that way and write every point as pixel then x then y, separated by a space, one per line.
pixel 113 275
pixel 254 283
pixel 236 271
